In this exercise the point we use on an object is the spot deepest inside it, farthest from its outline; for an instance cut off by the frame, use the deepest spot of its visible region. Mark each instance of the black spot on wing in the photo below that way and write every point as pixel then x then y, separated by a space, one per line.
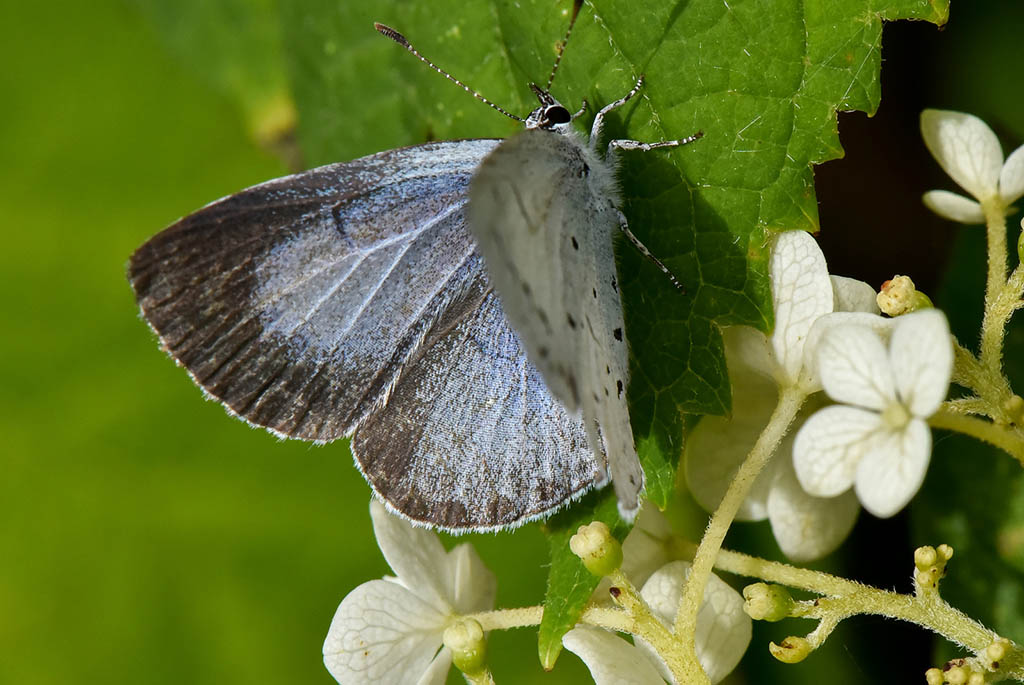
pixel 575 245
pixel 618 384
pixel 618 334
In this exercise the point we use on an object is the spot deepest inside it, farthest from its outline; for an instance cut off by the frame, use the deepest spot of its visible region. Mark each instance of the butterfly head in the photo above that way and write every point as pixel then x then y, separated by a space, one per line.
pixel 551 115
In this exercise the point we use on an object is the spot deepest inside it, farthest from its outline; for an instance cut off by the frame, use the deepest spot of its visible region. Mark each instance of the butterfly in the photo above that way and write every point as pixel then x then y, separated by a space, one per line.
pixel 353 300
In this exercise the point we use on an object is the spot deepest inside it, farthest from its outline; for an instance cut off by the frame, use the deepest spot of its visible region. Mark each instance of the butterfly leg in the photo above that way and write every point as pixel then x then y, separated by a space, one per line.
pixel 595 130
pixel 624 227
pixel 622 144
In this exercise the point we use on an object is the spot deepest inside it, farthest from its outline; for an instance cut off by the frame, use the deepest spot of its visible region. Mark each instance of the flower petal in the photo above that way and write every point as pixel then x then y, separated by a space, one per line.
pixel 723 628
pixel 891 473
pixel 879 324
pixel 851 295
pixel 808 527
pixel 921 353
pixel 1011 180
pixel 966 148
pixel 801 292
pixel 954 206
pixel 611 660
pixel 416 555
pixel 382 633
pixel 748 351
pixel 717 446
pixel 437 671
pixel 854 367
pixel 472 585
pixel 829 447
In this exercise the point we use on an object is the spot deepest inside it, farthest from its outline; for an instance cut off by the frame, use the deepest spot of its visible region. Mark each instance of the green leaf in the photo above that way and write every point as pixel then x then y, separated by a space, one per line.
pixel 570 584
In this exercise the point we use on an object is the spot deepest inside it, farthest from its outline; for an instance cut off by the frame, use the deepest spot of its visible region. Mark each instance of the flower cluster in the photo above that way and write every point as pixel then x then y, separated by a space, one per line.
pixel 970 153
pixel 401 629
pixel 828 335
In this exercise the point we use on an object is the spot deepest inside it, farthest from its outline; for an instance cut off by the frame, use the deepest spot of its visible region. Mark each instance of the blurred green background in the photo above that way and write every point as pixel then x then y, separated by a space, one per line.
pixel 145 536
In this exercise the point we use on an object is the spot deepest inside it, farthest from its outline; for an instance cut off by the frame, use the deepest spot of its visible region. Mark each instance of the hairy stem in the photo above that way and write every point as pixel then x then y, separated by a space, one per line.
pixel 993 325
pixel 844 598
pixel 504 619
pixel 1005 438
pixel 790 400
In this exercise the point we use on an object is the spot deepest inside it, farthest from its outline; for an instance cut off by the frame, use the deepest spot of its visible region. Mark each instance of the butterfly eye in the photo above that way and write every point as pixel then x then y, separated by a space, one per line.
pixel 556 114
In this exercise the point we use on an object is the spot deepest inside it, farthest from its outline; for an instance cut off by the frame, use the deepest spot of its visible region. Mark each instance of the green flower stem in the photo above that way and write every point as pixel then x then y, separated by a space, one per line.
pixel 790 400
pixel 998 310
pixel 825 627
pixel 967 370
pixel 843 598
pixel 988 383
pixel 612 619
pixel 649 627
pixel 967 405
pixel 993 325
pixel 504 619
pixel 1004 437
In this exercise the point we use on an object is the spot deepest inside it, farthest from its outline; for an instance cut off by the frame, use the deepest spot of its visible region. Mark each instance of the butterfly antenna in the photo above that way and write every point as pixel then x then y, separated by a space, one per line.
pixel 403 41
pixel 576 5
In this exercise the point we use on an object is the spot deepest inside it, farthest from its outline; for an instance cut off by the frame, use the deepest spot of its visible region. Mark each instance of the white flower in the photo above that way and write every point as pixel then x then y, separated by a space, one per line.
pixel 970 153
pixel 803 294
pixel 390 630
pixel 881 444
pixel 611 660
pixel 723 633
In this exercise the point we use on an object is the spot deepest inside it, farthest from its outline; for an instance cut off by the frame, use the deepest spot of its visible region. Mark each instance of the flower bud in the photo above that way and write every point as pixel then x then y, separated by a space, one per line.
pixel 465 639
pixel 767 602
pixel 933 676
pixel 956 675
pixel 594 545
pixel 899 296
pixel 792 650
pixel 925 557
pixel 976 679
pixel 997 651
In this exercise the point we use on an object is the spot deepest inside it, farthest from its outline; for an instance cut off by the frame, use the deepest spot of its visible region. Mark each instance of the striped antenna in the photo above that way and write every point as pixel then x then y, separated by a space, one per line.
pixel 403 41
pixel 576 5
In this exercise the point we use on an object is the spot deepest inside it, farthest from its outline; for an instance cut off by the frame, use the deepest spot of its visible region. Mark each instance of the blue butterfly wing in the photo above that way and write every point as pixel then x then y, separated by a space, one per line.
pixel 350 300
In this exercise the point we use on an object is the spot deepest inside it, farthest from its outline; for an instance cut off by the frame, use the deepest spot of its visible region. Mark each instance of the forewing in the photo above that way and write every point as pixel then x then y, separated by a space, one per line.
pixel 290 301
pixel 331 301
pixel 470 437
pixel 542 208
